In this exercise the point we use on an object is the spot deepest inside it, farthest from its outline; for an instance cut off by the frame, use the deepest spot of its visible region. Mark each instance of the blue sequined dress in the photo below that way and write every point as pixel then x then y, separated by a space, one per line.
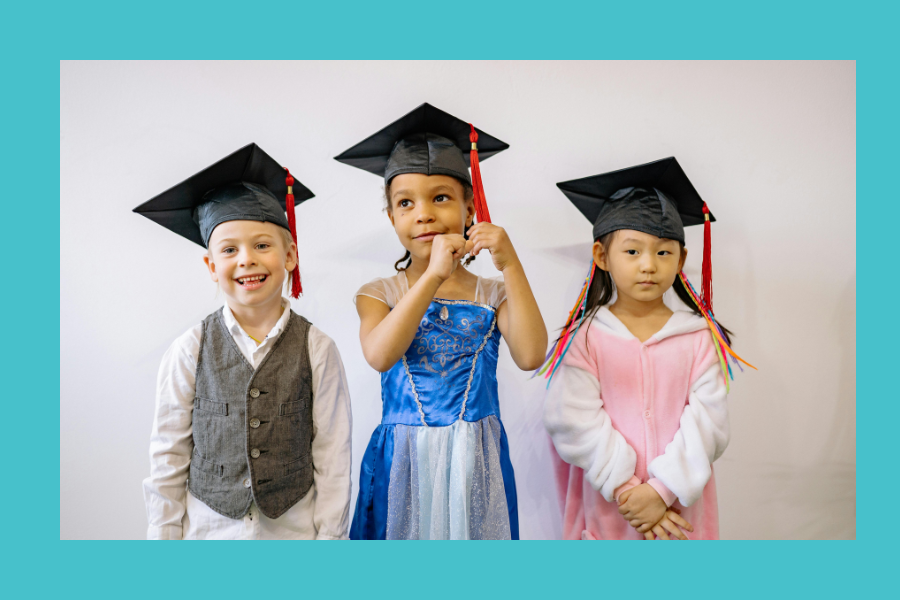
pixel 437 467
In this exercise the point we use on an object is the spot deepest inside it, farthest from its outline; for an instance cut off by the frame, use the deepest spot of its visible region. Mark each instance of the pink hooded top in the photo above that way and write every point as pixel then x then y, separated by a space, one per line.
pixel 621 412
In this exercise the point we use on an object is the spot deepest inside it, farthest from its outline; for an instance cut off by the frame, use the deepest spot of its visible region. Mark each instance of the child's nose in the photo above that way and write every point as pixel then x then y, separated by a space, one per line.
pixel 425 214
pixel 247 258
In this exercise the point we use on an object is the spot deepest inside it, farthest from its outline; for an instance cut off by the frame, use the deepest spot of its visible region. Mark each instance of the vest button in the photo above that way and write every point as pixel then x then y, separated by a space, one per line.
pixel 254 393
pixel 255 453
pixel 254 423
pixel 246 483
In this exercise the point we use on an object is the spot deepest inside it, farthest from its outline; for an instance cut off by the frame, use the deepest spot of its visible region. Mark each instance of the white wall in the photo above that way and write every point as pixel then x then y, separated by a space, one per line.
pixel 771 146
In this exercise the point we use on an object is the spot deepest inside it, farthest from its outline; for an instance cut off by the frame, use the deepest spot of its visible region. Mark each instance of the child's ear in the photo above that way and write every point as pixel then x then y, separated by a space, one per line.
pixel 600 258
pixel 291 260
pixel 683 259
pixel 390 215
pixel 212 268
pixel 470 212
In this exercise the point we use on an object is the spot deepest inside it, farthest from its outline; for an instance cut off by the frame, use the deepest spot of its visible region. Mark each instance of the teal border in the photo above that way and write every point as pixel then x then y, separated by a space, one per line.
pixel 37 36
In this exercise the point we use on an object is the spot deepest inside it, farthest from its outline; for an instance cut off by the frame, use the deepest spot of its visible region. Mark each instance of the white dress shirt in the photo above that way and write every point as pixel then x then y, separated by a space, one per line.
pixel 174 513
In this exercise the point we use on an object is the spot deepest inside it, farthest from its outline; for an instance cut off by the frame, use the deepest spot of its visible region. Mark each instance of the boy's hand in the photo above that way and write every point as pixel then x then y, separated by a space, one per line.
pixel 670 522
pixel 488 236
pixel 642 507
pixel 446 250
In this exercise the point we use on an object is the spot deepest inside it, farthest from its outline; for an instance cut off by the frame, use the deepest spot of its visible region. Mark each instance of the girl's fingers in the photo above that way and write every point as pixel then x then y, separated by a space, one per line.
pixel 635 523
pixel 679 520
pixel 660 533
pixel 648 535
pixel 667 524
pixel 645 528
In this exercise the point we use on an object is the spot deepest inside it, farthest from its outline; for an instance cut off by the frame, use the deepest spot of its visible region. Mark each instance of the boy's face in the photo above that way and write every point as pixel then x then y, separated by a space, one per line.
pixel 249 260
pixel 423 206
pixel 642 266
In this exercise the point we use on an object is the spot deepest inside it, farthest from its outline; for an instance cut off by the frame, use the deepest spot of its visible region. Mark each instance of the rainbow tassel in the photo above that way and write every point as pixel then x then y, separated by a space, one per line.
pixel 558 350
pixel 723 350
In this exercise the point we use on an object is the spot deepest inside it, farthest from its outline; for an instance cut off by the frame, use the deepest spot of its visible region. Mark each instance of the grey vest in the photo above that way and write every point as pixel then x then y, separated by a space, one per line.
pixel 252 429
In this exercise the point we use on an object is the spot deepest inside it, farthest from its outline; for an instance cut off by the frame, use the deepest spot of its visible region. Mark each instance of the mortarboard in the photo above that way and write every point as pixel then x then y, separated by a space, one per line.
pixel 245 185
pixel 656 198
pixel 429 141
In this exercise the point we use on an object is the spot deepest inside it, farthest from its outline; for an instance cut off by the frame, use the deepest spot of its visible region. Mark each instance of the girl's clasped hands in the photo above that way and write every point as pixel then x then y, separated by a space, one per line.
pixel 645 510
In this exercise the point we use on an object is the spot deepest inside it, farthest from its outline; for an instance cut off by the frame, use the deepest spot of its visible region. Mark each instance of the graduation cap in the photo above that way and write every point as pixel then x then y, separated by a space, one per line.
pixel 656 198
pixel 247 185
pixel 430 141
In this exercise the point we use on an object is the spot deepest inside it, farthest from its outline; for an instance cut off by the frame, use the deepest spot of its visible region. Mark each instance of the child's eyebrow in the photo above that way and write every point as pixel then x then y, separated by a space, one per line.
pixel 662 242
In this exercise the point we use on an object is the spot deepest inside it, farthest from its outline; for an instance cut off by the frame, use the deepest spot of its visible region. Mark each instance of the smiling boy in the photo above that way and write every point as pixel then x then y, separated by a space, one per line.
pixel 251 437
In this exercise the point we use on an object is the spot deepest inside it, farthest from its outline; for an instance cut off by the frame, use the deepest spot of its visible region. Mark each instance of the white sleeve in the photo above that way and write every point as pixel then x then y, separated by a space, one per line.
pixel 702 436
pixel 491 291
pixel 582 431
pixel 385 289
pixel 171 440
pixel 331 438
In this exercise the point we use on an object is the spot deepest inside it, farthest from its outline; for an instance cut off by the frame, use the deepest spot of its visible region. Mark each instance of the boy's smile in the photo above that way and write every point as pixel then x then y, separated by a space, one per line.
pixel 251 282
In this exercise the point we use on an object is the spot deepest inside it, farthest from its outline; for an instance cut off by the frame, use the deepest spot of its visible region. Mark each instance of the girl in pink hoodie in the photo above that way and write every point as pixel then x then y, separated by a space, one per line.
pixel 636 406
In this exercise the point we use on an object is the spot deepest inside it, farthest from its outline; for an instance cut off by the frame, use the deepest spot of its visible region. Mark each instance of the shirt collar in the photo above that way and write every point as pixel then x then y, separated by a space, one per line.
pixel 681 321
pixel 235 329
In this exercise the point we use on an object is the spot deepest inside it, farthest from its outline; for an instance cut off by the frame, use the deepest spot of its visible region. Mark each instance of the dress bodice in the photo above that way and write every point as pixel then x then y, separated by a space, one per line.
pixel 450 369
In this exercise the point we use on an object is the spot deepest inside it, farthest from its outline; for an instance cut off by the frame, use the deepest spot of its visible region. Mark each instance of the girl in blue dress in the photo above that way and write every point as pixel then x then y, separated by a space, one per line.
pixel 438 467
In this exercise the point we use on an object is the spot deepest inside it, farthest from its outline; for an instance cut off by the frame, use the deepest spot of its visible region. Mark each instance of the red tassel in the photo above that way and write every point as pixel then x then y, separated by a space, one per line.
pixel 296 288
pixel 481 209
pixel 706 283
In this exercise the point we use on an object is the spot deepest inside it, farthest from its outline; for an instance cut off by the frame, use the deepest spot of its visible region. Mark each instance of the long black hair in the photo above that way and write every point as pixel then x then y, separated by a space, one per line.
pixel 468 194
pixel 602 288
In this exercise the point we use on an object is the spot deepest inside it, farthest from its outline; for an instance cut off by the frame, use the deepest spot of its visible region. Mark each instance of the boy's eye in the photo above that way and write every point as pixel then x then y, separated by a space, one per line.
pixel 262 246
pixel 632 252
pixel 441 198
pixel 229 251
pixel 404 203
pixel 663 252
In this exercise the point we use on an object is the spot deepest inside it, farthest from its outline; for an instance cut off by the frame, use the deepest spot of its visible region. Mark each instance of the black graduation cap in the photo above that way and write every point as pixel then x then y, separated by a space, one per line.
pixel 429 141
pixel 656 198
pixel 246 185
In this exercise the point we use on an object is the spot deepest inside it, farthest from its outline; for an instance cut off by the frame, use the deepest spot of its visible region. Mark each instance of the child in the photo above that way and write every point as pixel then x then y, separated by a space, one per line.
pixel 252 410
pixel 438 465
pixel 637 398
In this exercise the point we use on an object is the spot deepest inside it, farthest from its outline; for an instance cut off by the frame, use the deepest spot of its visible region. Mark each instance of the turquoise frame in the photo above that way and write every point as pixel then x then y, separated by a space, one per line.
pixel 37 36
